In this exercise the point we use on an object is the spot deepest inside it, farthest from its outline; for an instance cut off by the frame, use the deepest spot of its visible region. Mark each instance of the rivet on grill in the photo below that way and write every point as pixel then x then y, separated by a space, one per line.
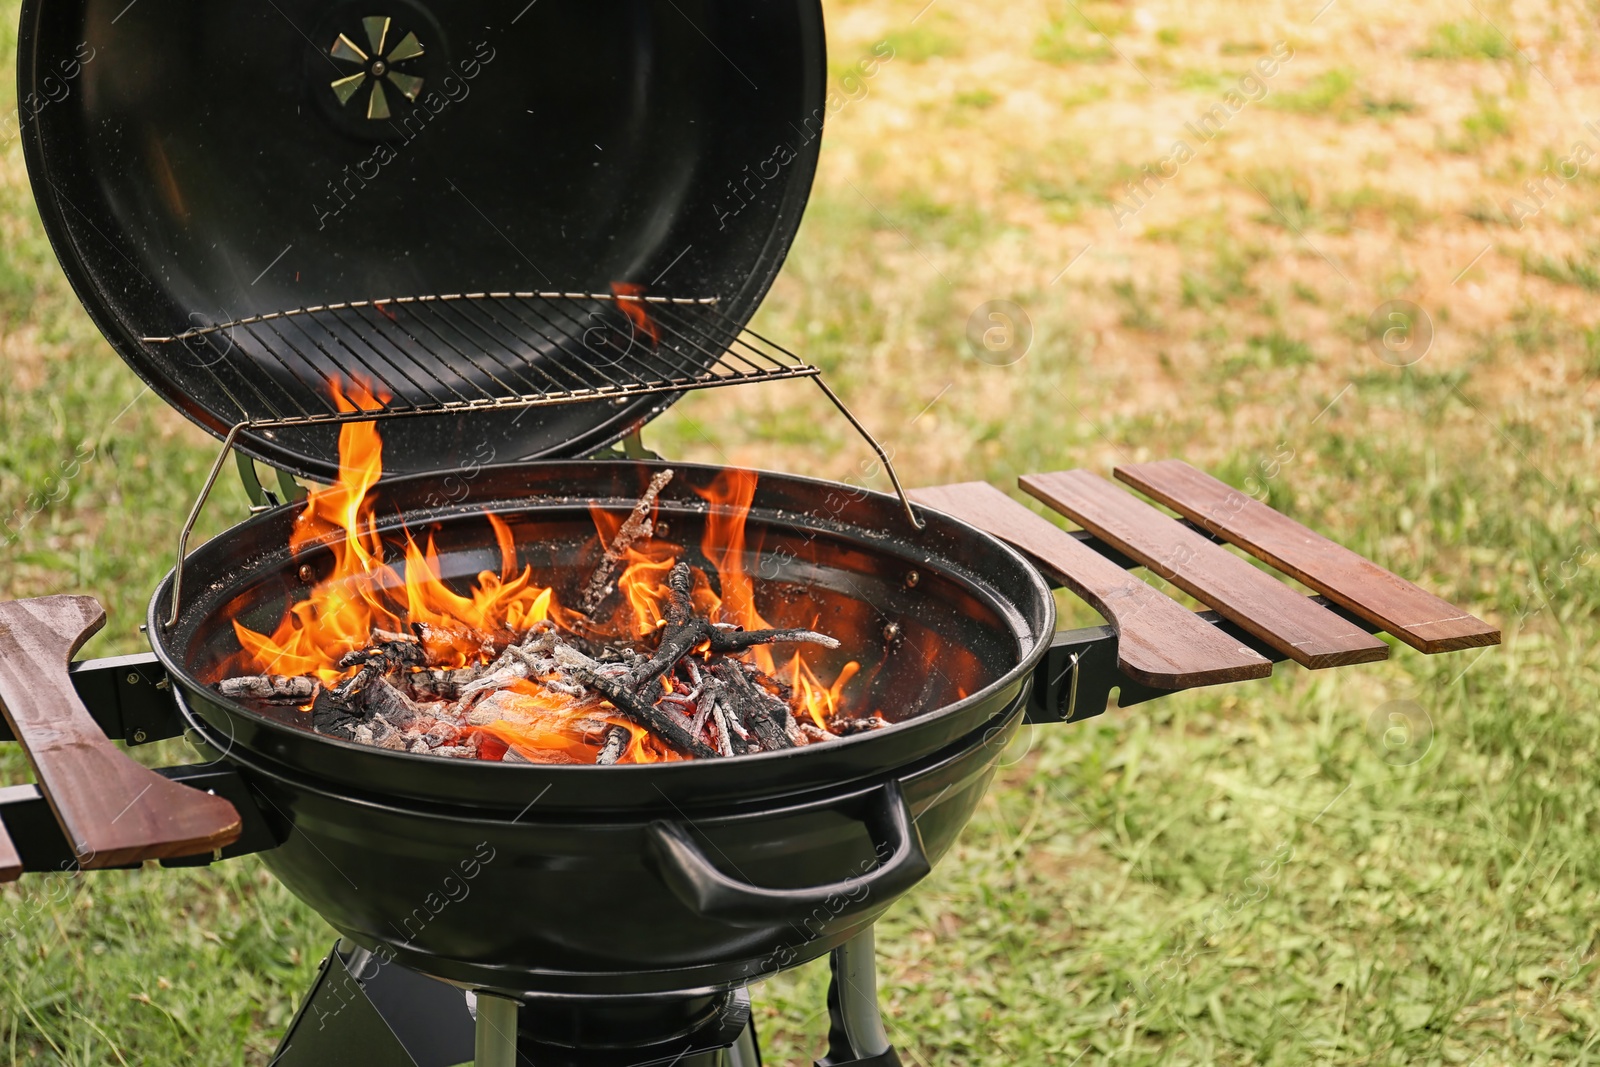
pixel 891 631
pixel 307 575
pixel 138 737
pixel 133 678
pixel 912 578
pixel 661 528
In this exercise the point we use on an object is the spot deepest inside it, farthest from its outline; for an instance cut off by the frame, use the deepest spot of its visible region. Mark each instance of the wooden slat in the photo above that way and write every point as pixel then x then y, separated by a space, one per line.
pixel 10 861
pixel 1160 643
pixel 1264 607
pixel 114 811
pixel 1354 582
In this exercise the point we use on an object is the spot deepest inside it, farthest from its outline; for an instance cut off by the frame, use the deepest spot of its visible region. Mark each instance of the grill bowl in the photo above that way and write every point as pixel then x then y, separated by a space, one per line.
pixel 977 618
pixel 581 893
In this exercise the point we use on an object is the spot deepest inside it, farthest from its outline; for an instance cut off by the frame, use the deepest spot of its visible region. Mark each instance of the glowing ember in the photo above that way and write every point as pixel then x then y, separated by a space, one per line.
pixel 385 652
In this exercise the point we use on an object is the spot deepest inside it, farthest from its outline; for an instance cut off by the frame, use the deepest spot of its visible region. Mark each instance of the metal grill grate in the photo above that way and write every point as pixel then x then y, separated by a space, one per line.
pixel 472 351
pixel 462 352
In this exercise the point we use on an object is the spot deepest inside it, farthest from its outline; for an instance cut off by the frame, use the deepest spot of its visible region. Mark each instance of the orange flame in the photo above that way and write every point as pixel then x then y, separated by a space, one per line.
pixel 365 592
pixel 730 497
pixel 636 310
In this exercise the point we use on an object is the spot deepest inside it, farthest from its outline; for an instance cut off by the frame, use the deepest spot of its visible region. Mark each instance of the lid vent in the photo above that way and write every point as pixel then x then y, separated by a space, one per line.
pixel 378 65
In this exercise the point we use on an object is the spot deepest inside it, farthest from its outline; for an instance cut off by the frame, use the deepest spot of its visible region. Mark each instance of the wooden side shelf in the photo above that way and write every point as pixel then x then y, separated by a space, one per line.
pixel 112 810
pixel 10 859
pixel 1250 598
pixel 1355 583
pixel 1162 644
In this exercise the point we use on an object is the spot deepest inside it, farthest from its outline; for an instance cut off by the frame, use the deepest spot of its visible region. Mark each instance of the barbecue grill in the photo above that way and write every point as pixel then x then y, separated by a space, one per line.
pixel 570 238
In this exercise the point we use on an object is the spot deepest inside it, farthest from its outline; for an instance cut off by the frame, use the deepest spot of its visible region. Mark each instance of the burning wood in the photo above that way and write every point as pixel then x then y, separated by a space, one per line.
pixel 679 666
pixel 269 688
pixel 616 743
pixel 638 526
pixel 711 707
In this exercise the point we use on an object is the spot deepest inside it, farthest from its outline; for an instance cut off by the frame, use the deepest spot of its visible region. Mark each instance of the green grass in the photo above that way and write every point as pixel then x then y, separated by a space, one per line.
pixel 1244 875
pixel 1225 280
pixel 1466 40
pixel 978 99
pixel 1368 206
pixel 1388 108
pixel 1138 312
pixel 1319 96
pixel 1091 93
pixel 1580 271
pixel 1490 122
pixel 1079 35
pixel 919 44
pixel 1289 196
pixel 1202 81
pixel 1060 175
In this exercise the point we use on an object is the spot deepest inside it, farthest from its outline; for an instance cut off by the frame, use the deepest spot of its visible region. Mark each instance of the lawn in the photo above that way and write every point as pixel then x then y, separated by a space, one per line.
pixel 1394 864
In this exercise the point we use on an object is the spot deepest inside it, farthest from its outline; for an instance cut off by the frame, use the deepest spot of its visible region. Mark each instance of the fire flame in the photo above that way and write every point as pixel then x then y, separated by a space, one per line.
pixel 636 311
pixel 366 592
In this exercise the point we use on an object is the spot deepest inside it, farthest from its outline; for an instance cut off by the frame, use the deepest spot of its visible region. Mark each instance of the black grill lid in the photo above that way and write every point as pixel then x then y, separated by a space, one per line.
pixel 204 168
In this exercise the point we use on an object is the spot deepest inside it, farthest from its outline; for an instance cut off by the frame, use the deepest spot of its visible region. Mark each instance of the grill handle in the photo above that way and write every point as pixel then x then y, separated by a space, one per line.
pixel 696 881
pixel 113 811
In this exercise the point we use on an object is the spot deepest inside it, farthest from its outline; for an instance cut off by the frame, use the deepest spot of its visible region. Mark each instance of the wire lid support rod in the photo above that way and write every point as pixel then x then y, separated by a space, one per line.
pixel 232 438
pixel 916 520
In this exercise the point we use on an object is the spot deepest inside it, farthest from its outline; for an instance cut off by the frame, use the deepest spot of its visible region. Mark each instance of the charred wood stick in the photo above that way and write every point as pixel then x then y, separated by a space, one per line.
pixel 383 698
pixel 452 638
pixel 780 694
pixel 375 661
pixel 702 713
pixel 334 712
pixel 719 715
pixel 751 704
pixel 657 720
pixel 331 714
pixel 664 724
pixel 530 658
pixel 272 688
pixel 674 646
pixel 740 740
pixel 730 641
pixel 452 684
pixel 851 727
pixel 778 700
pixel 387 654
pixel 815 734
pixel 680 635
pixel 680 589
pixel 635 528
pixel 441 684
pixel 616 743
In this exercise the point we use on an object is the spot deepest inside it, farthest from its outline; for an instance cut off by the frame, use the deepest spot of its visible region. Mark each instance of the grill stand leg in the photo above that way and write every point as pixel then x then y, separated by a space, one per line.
pixel 362 1010
pixel 856 1037
pixel 496 1042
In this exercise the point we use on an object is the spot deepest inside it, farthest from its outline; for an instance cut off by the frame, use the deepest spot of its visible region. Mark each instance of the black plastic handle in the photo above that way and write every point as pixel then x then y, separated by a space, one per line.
pixel 699 884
